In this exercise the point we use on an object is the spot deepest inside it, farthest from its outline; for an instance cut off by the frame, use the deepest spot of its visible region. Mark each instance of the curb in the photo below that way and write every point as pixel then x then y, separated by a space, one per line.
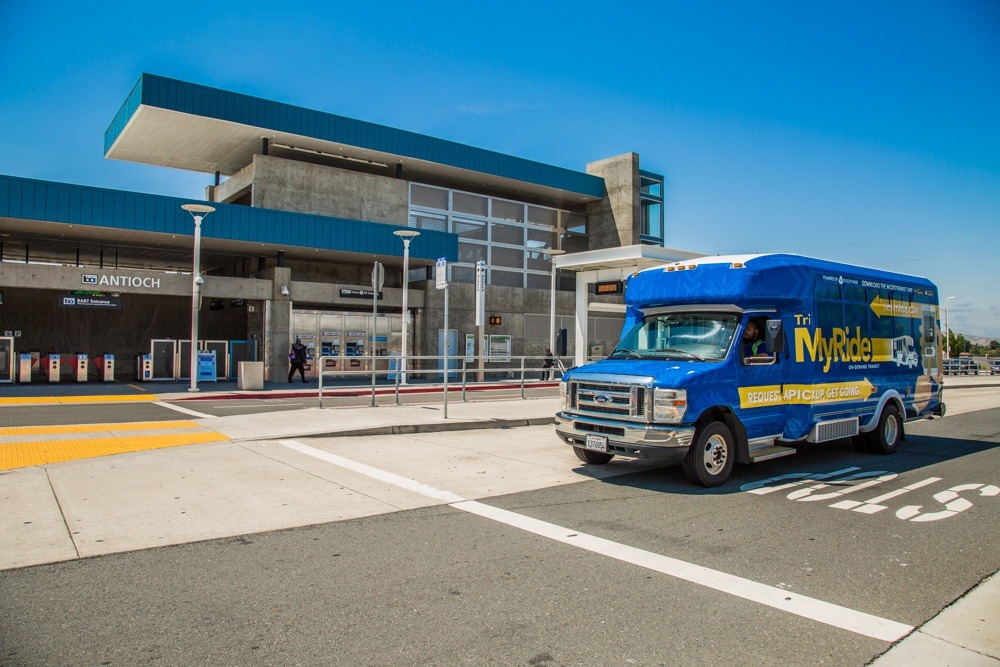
pixel 409 429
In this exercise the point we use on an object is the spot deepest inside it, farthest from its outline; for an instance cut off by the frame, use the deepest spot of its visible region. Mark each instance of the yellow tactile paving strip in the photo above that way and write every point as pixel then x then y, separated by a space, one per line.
pixel 94 428
pixel 66 400
pixel 39 451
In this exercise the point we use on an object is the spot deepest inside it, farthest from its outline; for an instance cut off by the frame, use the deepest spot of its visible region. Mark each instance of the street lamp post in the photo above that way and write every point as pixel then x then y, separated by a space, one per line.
pixel 407 235
pixel 552 252
pixel 198 212
pixel 947 329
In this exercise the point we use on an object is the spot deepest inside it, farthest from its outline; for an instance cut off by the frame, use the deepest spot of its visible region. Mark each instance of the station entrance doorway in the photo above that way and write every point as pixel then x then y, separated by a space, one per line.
pixel 6 359
pixel 349 337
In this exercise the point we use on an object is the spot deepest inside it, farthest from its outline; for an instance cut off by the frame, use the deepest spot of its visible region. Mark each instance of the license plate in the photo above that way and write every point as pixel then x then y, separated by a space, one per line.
pixel 597 442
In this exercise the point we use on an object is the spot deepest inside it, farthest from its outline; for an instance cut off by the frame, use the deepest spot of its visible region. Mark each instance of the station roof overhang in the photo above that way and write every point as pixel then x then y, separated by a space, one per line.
pixel 188 126
pixel 609 264
pixel 618 263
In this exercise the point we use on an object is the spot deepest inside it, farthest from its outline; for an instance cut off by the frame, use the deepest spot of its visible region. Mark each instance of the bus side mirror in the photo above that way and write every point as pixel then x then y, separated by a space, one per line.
pixel 775 336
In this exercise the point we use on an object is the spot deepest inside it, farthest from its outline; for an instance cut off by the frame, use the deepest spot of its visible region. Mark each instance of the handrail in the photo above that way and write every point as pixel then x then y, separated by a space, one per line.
pixel 516 365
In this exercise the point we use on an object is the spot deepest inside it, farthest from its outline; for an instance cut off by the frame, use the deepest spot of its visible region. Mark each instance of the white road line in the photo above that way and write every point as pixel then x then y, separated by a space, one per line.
pixel 771 596
pixel 375 473
pixel 180 409
pixel 778 598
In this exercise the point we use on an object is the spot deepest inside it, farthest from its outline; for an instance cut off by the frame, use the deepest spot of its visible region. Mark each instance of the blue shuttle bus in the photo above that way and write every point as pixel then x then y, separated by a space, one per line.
pixel 743 358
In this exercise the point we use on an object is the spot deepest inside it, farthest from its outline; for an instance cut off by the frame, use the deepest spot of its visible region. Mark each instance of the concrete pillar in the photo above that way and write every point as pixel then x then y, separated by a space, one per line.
pixel 582 286
pixel 615 221
pixel 277 325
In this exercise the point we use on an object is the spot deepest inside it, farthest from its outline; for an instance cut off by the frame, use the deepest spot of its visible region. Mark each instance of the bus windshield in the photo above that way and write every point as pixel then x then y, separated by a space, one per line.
pixel 699 336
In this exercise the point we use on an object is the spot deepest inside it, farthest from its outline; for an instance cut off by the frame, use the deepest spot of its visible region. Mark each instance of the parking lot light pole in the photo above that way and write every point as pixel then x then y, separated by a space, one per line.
pixel 407 235
pixel 198 212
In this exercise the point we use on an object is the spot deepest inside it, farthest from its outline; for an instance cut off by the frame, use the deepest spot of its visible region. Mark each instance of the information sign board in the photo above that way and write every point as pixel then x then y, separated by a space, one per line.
pixel 441 273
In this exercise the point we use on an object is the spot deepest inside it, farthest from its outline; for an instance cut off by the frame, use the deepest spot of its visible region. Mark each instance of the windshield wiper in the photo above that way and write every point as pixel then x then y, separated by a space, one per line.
pixel 689 355
pixel 632 354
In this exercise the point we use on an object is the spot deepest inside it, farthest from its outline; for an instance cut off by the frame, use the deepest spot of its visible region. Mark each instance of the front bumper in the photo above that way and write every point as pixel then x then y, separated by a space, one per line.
pixel 643 441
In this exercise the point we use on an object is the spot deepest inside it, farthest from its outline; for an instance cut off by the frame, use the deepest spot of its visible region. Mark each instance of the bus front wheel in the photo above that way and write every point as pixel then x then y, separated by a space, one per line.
pixel 592 457
pixel 712 454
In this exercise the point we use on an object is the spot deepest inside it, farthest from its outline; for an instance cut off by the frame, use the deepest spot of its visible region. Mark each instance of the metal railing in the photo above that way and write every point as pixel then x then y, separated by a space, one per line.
pixel 513 369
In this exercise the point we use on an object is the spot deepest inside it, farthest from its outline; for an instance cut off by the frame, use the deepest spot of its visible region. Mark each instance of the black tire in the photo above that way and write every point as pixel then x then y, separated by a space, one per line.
pixel 886 436
pixel 711 456
pixel 592 457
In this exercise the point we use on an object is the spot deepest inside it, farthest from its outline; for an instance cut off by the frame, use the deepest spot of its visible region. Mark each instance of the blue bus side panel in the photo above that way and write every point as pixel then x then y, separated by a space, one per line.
pixel 853 335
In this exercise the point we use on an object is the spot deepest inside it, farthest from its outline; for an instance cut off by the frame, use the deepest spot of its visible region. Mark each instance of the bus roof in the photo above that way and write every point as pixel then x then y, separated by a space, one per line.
pixel 765 278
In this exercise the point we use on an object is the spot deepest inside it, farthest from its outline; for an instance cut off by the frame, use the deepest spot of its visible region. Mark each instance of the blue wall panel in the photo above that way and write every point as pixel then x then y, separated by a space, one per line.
pixel 29 199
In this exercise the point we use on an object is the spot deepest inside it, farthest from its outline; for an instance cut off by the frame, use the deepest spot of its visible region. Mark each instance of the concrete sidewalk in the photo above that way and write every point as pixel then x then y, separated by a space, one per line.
pixel 224 478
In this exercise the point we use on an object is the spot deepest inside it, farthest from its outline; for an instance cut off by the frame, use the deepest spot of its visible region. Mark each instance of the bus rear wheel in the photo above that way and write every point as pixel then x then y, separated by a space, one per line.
pixel 886 436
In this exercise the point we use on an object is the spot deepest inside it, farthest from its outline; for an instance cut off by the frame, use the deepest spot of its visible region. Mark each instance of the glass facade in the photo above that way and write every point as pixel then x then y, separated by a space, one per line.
pixel 508 235
pixel 651 208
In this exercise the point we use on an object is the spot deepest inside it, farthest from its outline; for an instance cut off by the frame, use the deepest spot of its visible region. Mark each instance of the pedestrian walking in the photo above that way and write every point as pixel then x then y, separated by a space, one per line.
pixel 297 360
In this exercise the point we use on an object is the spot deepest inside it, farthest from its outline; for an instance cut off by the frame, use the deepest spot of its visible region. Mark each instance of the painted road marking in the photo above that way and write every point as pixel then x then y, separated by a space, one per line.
pixel 771 596
pixel 187 411
pixel 953 504
pixel 874 505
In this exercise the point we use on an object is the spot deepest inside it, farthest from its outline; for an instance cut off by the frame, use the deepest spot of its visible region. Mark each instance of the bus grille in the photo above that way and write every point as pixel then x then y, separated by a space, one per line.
pixel 609 400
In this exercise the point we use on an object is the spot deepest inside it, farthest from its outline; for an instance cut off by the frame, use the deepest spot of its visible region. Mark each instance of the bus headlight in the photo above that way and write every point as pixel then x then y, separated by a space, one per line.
pixel 669 405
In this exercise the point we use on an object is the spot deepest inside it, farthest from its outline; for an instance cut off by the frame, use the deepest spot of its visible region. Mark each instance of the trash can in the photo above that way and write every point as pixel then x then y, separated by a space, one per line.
pixel 250 375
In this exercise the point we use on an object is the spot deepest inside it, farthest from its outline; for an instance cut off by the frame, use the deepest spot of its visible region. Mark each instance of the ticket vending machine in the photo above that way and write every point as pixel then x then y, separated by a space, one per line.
pixel 82 367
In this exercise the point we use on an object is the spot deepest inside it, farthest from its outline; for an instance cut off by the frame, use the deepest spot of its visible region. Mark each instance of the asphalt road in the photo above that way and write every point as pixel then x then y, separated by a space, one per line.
pixel 445 586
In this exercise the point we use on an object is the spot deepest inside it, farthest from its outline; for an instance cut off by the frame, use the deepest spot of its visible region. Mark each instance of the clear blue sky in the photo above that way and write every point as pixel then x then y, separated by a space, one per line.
pixel 866 132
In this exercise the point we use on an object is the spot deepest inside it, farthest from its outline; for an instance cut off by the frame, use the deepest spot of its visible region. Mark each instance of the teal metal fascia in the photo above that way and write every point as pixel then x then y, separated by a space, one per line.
pixel 47 201
pixel 171 94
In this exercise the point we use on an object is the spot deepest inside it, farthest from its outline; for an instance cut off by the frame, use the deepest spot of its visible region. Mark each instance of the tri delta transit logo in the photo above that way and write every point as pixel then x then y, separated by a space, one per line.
pixel 105 280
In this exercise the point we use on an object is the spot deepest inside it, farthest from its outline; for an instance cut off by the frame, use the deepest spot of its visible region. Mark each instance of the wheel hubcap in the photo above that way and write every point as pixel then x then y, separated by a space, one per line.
pixel 715 455
pixel 891 431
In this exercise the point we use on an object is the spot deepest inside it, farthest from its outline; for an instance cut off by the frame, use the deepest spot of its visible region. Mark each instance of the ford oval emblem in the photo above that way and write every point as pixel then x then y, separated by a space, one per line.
pixel 602 398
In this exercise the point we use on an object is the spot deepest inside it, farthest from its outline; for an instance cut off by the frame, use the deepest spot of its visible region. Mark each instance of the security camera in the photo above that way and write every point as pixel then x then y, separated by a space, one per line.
pixel 199 280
